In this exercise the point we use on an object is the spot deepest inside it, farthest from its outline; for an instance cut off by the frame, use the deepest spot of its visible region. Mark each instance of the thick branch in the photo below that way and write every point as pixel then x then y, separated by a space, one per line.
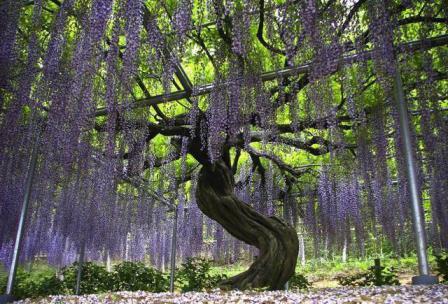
pixel 276 160
pixel 350 16
pixel 260 32
pixel 424 19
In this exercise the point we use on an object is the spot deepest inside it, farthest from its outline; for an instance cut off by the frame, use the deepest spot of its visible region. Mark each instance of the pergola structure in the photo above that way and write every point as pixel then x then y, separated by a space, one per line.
pixel 222 169
pixel 189 91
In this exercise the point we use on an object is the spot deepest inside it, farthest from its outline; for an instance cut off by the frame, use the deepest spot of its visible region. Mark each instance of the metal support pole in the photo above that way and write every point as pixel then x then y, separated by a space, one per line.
pixel 22 219
pixel 173 251
pixel 411 174
pixel 78 275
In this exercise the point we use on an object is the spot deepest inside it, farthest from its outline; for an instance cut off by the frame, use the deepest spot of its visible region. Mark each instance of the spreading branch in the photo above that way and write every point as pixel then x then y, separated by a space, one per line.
pixel 260 32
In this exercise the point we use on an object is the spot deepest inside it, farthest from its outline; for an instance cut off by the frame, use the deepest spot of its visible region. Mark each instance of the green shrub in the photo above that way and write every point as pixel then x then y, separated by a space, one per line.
pixel 375 276
pixel 34 284
pixel 127 276
pixel 299 281
pixel 131 276
pixel 442 266
pixel 194 275
pixel 94 278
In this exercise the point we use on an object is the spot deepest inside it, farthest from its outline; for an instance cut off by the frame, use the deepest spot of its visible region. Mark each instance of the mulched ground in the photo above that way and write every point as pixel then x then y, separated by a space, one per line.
pixel 388 294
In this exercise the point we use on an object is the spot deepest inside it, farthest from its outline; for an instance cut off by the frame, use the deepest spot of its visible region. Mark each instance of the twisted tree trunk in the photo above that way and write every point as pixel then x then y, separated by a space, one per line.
pixel 276 240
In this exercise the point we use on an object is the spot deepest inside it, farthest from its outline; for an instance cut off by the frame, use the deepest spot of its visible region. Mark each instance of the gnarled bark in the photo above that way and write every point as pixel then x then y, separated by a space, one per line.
pixel 276 240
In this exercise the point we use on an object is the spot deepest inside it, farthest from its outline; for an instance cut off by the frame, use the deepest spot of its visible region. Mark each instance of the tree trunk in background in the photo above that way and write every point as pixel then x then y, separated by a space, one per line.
pixel 276 240
pixel 108 262
pixel 302 250
pixel 344 251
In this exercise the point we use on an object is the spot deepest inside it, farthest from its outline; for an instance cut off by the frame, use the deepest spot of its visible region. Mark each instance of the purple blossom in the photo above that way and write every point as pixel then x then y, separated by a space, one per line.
pixel 134 19
pixel 182 22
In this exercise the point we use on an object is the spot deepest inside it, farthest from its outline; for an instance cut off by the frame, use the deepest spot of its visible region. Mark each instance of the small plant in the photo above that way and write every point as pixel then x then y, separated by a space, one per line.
pixel 299 281
pixel 194 275
pixel 352 280
pixel 131 276
pixel 377 275
pixel 442 266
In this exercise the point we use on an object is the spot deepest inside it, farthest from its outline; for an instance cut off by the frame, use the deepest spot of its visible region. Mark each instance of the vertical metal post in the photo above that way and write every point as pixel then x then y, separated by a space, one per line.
pixel 411 174
pixel 377 263
pixel 22 219
pixel 173 251
pixel 78 275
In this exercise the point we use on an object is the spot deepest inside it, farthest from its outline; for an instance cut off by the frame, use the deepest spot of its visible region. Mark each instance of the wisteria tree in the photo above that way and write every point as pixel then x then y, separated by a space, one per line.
pixel 261 112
